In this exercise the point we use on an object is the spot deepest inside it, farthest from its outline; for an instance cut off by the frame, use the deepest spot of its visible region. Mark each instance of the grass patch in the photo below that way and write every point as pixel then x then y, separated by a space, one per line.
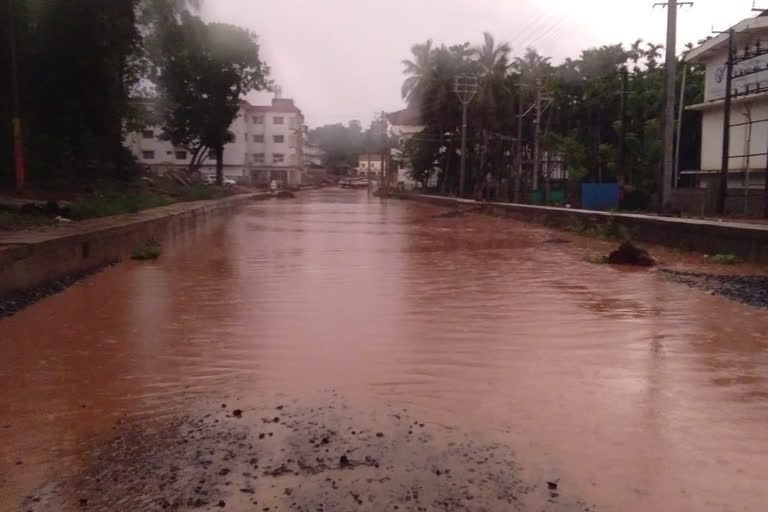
pixel 575 226
pixel 150 250
pixel 110 198
pixel 103 205
pixel 608 230
pixel 10 221
pixel 725 259
pixel 684 245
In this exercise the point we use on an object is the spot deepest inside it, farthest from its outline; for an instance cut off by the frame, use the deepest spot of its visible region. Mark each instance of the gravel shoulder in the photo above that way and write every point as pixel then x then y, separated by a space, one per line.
pixel 748 289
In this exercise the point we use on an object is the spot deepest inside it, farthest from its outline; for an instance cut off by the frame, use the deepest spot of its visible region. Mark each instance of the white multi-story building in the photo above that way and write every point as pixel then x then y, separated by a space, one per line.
pixel 369 165
pixel 749 109
pixel 267 145
pixel 403 125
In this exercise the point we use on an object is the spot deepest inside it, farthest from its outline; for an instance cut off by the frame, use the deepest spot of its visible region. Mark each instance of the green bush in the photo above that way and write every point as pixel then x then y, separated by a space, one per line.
pixel 150 250
pixel 725 259
pixel 575 226
pixel 102 204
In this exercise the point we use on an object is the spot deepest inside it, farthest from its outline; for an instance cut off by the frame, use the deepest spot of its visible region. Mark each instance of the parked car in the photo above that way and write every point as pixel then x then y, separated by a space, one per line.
pixel 211 180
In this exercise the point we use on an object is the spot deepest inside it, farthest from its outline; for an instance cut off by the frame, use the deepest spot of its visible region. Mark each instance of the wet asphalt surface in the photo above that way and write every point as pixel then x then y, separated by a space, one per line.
pixel 298 458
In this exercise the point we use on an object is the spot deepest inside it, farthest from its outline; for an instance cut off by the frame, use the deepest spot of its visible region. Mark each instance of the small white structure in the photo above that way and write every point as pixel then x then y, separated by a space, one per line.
pixel 369 165
pixel 404 124
pixel 314 156
pixel 267 145
pixel 749 108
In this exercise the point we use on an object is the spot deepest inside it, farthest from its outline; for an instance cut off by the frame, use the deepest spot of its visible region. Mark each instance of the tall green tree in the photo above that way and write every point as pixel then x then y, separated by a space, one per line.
pixel 601 128
pixel 210 68
pixel 342 144
pixel 80 64
pixel 419 73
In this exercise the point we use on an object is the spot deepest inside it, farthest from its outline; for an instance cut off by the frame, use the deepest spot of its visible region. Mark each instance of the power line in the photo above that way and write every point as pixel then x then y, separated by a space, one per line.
pixel 526 33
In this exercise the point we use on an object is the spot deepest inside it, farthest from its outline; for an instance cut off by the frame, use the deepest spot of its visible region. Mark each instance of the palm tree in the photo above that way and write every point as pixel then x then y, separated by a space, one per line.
pixel 532 66
pixel 635 52
pixel 493 59
pixel 652 53
pixel 418 71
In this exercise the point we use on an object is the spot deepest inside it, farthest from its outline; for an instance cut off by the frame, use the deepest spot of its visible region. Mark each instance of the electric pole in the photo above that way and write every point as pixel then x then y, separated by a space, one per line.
pixel 670 79
pixel 383 123
pixel 465 88
pixel 623 133
pixel 18 142
pixel 723 192
pixel 536 144
pixel 519 144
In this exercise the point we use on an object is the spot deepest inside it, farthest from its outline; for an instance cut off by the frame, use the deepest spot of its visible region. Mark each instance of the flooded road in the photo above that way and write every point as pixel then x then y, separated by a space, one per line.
pixel 635 392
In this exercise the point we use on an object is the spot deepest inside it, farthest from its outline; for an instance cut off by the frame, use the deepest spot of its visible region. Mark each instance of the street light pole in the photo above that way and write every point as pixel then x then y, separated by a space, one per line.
pixel 465 88
pixel 18 143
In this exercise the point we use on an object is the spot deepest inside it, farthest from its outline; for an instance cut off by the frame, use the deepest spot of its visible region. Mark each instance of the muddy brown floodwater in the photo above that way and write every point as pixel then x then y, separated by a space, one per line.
pixel 341 352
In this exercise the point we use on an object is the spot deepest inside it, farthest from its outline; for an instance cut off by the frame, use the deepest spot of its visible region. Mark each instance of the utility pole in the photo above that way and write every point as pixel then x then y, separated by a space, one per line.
pixel 623 131
pixel 18 142
pixel 383 123
pixel 465 88
pixel 670 79
pixel 680 125
pixel 536 137
pixel 723 192
pixel 519 144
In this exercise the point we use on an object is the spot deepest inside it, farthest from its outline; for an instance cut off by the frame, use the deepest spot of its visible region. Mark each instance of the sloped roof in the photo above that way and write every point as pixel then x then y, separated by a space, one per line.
pixel 405 117
pixel 279 105
pixel 718 44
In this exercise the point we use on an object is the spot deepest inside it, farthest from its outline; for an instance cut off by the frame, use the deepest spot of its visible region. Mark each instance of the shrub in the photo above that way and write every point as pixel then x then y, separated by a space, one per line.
pixel 725 259
pixel 150 250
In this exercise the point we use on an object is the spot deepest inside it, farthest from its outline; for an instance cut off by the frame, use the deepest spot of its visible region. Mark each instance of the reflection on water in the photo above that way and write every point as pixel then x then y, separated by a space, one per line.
pixel 643 394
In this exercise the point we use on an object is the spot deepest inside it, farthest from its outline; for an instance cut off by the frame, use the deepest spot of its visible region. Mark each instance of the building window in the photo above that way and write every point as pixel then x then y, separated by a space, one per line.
pixel 278 158
pixel 147 134
pixel 278 120
pixel 258 119
pixel 181 155
pixel 148 155
pixel 278 139
pixel 258 138
pixel 258 158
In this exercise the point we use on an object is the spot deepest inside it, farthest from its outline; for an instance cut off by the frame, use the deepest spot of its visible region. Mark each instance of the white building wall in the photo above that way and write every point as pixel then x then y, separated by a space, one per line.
pixel 402 133
pixel 712 136
pixel 239 161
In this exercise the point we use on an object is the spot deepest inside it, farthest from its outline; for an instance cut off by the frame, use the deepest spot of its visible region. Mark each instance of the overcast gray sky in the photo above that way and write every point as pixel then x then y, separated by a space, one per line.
pixel 340 59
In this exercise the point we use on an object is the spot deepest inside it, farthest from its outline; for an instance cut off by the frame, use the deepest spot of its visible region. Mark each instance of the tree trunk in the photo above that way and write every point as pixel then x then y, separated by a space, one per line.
pixel 219 151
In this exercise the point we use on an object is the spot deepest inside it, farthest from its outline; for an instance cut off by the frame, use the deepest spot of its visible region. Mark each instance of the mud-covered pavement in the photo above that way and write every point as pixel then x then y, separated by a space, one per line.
pixel 306 459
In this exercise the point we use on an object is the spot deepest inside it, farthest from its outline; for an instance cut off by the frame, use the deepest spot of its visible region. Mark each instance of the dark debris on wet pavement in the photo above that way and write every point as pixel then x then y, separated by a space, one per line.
pixel 313 459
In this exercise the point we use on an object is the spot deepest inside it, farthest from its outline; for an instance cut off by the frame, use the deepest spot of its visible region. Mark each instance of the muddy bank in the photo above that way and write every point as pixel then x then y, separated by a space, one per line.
pixel 289 457
pixel 748 289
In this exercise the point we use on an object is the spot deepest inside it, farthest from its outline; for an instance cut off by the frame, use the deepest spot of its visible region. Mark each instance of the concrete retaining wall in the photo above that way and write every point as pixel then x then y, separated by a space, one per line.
pixel 748 241
pixel 30 259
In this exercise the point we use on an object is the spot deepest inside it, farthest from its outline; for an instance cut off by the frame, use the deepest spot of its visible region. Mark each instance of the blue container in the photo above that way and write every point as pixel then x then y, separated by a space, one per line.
pixel 600 196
